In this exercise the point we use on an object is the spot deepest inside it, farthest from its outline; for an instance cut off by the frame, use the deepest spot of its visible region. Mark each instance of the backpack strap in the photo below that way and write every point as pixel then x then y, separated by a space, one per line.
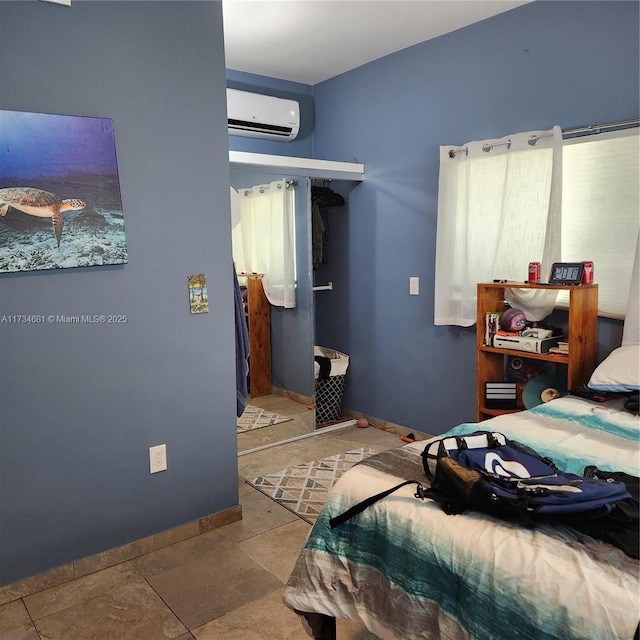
pixel 444 447
pixel 492 441
pixel 448 504
pixel 361 506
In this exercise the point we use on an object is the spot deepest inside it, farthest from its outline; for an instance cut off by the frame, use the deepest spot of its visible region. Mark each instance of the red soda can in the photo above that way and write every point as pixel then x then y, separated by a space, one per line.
pixel 587 272
pixel 534 273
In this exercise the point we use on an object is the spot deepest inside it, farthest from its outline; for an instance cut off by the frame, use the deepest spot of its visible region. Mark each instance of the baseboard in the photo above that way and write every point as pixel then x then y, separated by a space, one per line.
pixel 112 557
pixel 350 414
pixel 385 425
pixel 298 397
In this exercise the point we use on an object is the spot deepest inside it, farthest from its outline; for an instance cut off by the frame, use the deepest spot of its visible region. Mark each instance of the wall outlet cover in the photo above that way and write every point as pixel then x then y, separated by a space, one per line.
pixel 158 458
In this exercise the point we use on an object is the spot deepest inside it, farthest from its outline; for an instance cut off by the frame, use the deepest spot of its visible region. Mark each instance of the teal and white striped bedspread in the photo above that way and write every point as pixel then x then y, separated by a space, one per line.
pixel 407 570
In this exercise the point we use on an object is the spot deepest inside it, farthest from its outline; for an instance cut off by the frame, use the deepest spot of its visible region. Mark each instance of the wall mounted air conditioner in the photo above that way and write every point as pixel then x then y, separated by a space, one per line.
pixel 259 116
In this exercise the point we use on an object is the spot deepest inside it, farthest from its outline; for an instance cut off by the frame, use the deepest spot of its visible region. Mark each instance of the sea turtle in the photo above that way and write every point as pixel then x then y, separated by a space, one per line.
pixel 41 204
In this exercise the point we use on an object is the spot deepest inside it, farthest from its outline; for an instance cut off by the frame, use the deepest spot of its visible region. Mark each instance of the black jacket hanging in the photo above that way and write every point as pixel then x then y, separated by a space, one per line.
pixel 321 199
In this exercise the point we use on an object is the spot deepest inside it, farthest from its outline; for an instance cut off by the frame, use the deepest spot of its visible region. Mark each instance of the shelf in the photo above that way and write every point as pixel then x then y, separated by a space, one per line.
pixel 581 334
pixel 547 357
pixel 293 166
pixel 546 287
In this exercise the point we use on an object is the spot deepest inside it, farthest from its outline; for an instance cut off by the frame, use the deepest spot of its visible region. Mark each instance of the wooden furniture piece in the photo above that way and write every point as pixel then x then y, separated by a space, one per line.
pixel 582 331
pixel 259 323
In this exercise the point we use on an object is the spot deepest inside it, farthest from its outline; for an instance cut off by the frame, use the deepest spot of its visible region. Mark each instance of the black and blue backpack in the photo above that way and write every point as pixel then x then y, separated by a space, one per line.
pixel 488 472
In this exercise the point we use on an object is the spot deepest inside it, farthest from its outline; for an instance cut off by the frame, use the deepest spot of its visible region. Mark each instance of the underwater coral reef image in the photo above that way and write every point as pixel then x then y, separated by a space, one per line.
pixel 60 203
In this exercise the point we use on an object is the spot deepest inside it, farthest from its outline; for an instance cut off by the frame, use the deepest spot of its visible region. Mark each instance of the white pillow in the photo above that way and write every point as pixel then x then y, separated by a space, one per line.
pixel 620 371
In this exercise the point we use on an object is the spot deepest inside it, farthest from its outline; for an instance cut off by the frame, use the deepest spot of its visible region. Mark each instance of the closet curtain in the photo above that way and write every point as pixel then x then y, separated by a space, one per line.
pixel 499 207
pixel 263 236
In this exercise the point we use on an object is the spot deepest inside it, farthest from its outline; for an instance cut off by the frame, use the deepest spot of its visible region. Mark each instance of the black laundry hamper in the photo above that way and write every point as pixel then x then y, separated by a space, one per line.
pixel 330 371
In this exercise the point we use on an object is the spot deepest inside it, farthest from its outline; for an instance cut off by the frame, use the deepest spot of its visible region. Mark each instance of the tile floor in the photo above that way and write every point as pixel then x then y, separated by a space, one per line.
pixel 222 585
pixel 302 421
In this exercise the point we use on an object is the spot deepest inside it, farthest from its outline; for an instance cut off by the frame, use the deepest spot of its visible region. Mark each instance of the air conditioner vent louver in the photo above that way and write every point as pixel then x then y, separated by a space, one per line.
pixel 260 116
pixel 243 125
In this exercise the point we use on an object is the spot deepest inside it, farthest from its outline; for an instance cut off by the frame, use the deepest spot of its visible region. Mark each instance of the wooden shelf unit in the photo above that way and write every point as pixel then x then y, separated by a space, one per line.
pixel 259 316
pixel 582 334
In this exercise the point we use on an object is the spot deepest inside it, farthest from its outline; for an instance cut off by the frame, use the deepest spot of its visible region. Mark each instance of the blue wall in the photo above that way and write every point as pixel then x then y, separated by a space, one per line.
pixel 81 404
pixel 291 329
pixel 567 63
pixel 546 63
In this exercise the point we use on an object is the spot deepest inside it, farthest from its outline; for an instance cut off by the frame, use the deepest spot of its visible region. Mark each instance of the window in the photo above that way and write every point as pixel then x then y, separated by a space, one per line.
pixel 601 211
pixel 534 196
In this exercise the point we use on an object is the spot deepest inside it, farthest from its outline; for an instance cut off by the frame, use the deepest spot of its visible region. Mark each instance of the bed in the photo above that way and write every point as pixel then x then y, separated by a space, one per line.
pixel 405 569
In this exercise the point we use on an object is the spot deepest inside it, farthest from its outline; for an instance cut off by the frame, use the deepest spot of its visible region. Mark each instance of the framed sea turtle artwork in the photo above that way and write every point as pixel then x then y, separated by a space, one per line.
pixel 60 201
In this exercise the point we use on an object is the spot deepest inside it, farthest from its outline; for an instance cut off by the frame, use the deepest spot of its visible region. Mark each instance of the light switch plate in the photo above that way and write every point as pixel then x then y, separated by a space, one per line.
pixel 414 286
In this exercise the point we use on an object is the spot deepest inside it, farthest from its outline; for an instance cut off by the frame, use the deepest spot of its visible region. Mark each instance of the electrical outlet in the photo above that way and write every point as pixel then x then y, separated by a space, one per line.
pixel 158 458
pixel 414 286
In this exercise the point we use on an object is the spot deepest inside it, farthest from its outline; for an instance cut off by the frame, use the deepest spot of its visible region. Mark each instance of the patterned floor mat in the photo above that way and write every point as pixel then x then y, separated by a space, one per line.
pixel 256 418
pixel 303 489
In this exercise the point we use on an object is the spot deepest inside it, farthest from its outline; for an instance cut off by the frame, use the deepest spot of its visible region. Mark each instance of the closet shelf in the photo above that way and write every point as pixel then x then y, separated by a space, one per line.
pixel 309 167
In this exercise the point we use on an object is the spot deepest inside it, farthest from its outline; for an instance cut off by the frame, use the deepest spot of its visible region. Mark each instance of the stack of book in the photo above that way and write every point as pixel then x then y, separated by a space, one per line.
pixel 562 348
pixel 491 326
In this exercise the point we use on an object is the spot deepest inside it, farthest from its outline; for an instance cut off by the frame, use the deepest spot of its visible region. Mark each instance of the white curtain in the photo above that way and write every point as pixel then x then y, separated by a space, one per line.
pixel 263 236
pixel 498 209
pixel 600 205
pixel 631 331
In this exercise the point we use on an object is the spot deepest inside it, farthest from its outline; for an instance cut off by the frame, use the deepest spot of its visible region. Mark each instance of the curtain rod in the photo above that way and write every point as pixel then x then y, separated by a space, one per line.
pixel 591 129
pixel 576 131
pixel 288 184
pixel 596 128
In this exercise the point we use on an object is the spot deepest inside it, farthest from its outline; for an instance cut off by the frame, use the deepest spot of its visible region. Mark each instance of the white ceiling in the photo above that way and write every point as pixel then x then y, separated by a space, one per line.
pixel 309 41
